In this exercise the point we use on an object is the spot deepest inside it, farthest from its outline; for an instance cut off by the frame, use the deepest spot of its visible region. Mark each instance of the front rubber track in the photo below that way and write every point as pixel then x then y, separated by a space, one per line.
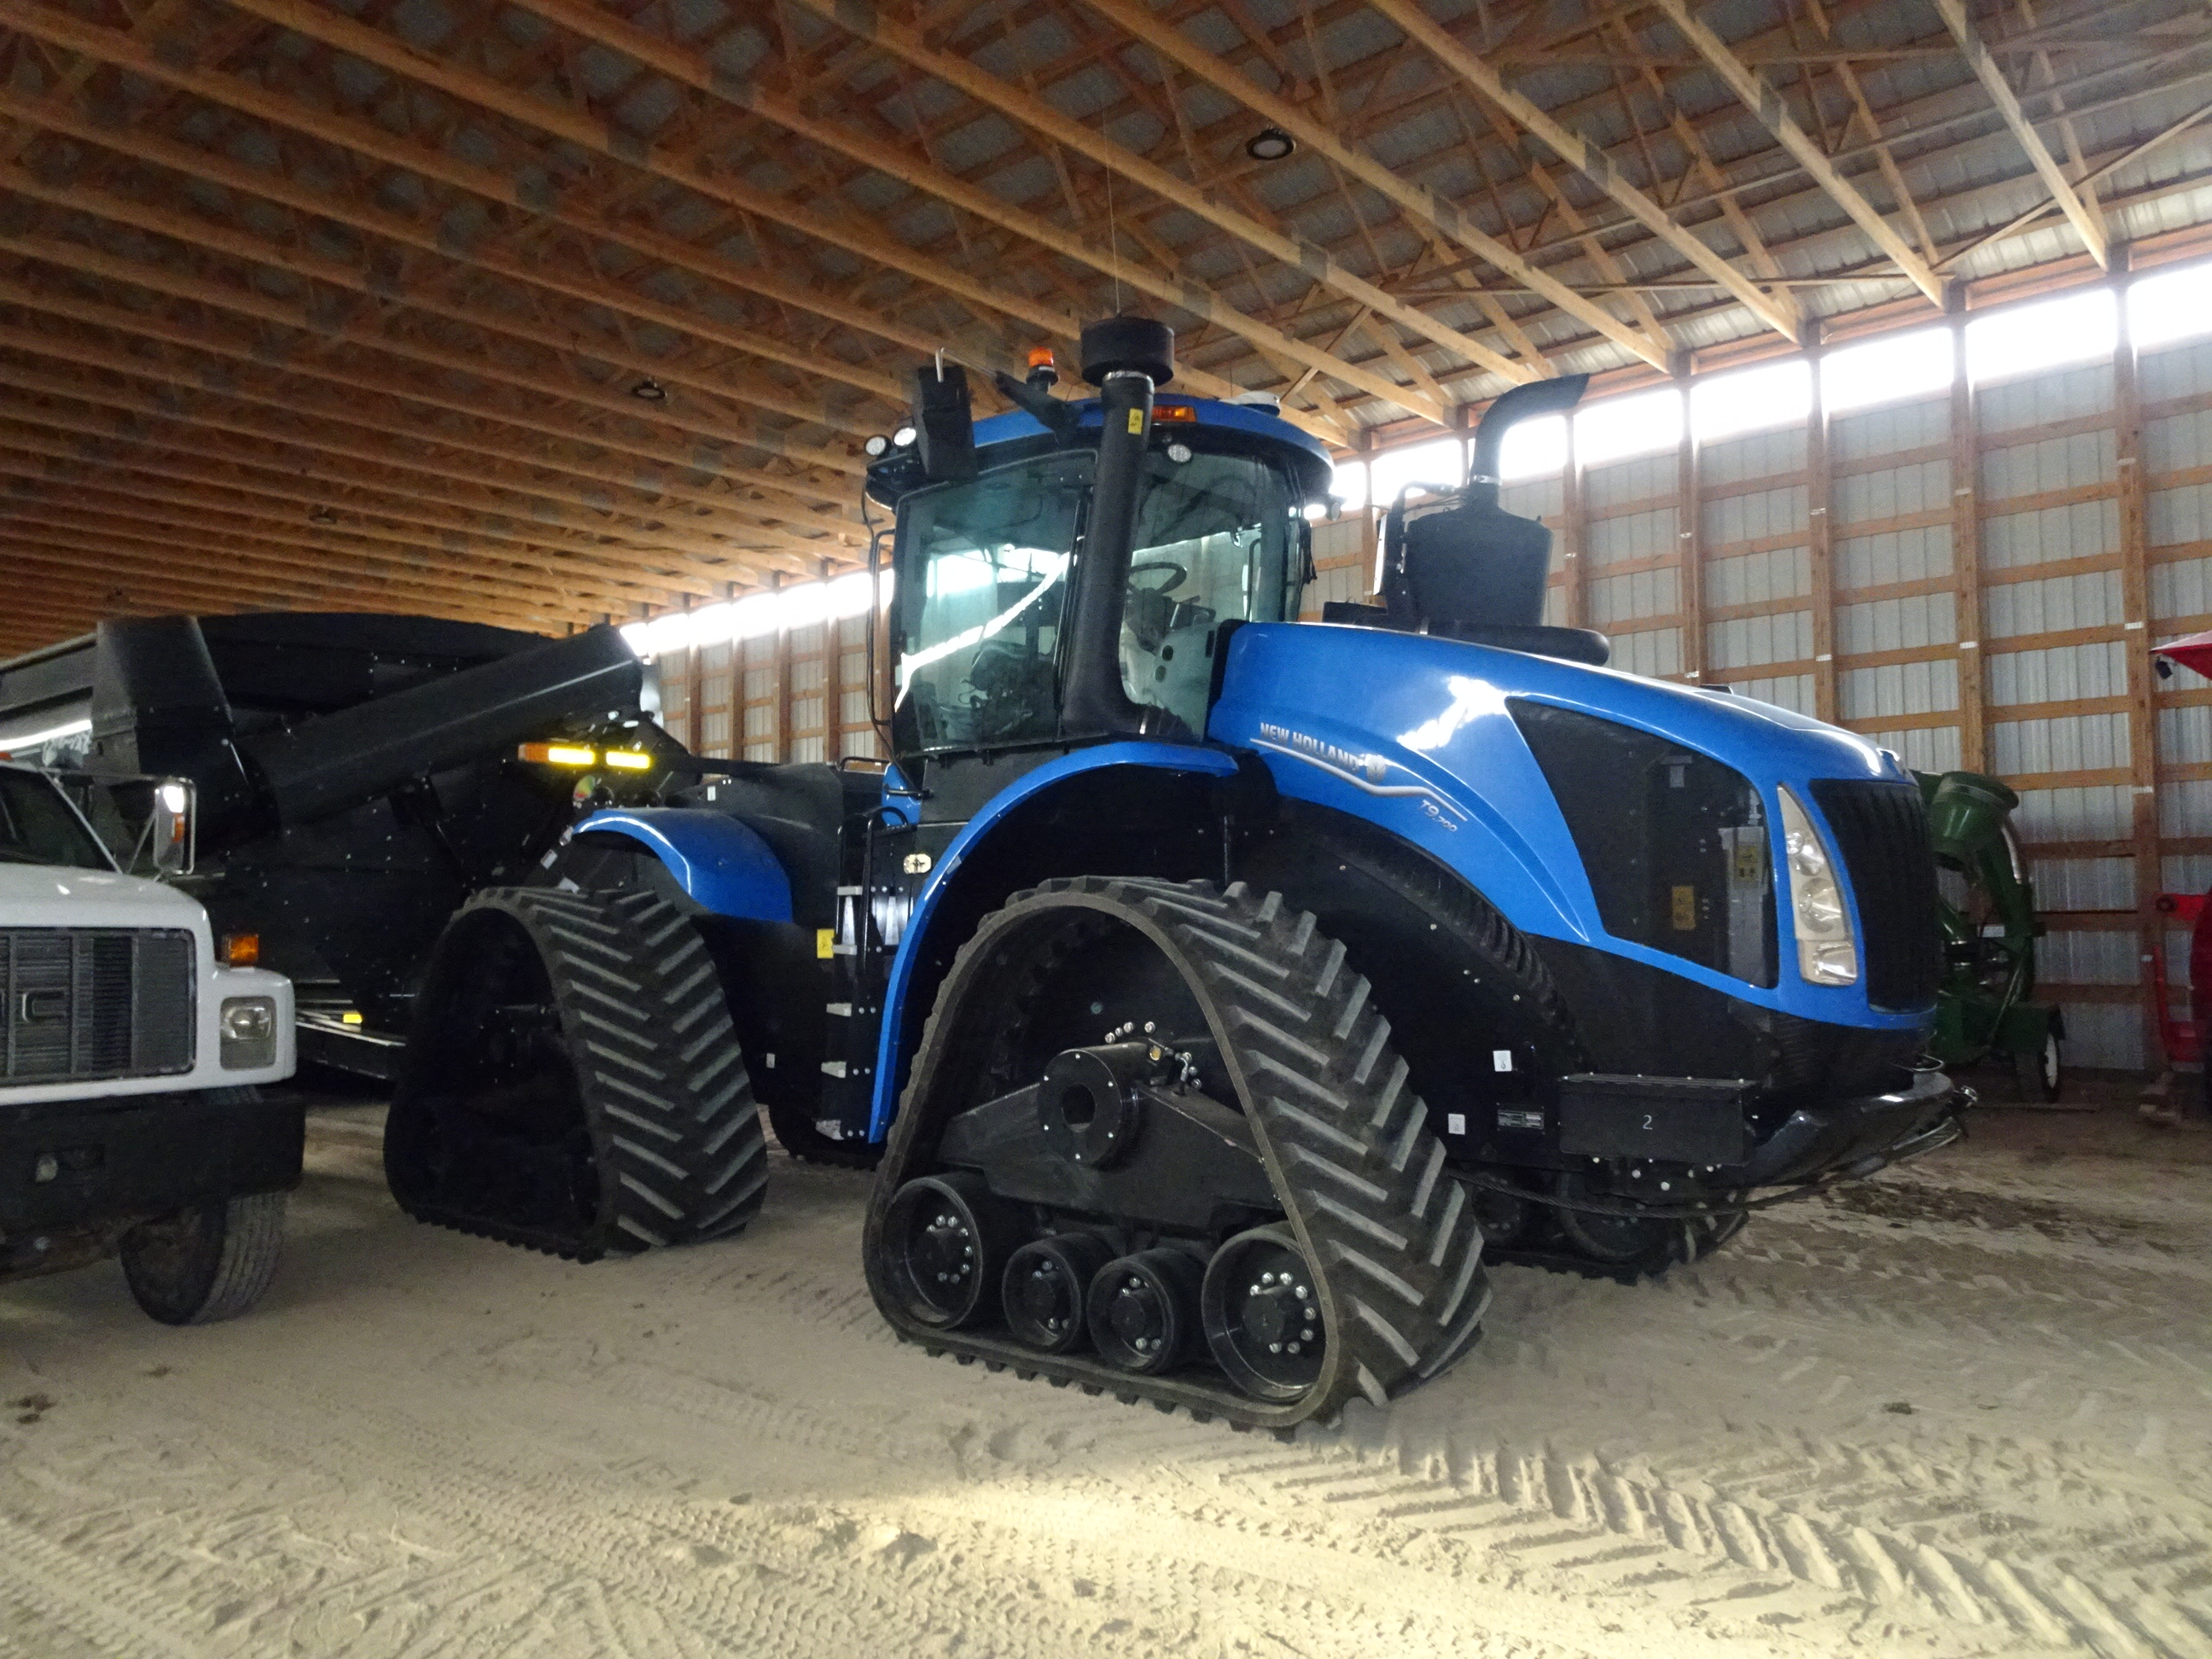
pixel 668 1104
pixel 1344 1137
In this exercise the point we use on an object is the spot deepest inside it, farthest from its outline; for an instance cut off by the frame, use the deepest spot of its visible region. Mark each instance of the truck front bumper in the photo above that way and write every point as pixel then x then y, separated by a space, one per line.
pixel 1866 1130
pixel 76 1164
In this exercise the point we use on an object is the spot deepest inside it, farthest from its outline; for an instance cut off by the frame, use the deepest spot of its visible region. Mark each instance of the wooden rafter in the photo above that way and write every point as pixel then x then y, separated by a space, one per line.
pixel 1586 158
pixel 2078 213
pixel 1774 115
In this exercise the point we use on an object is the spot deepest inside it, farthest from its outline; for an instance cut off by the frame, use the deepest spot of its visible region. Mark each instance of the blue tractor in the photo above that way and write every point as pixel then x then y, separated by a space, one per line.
pixel 1217 992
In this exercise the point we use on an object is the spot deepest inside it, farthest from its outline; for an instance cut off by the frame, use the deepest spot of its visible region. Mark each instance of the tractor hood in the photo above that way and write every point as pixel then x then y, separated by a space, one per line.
pixel 1424 736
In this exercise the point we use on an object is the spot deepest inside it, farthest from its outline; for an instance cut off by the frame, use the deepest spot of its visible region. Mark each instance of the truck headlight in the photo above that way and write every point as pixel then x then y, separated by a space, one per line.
pixel 1827 951
pixel 248 1027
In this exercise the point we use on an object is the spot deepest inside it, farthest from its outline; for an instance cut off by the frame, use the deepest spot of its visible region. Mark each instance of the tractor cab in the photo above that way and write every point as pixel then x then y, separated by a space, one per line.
pixel 1071 569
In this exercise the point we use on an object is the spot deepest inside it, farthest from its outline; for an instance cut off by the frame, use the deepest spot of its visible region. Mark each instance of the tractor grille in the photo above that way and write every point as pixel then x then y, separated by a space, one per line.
pixel 1881 835
pixel 85 1004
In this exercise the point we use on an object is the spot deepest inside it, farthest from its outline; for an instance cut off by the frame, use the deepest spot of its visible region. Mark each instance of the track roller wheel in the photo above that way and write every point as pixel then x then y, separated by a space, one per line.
pixel 947 1248
pixel 1144 1311
pixel 1619 1241
pixel 1262 1315
pixel 1046 1285
pixel 573 1083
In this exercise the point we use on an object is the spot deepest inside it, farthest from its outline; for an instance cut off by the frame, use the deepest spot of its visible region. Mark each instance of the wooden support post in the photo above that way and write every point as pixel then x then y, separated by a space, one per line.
pixel 2143 684
pixel 1821 544
pixel 782 687
pixel 1966 555
pixel 1574 531
pixel 1689 541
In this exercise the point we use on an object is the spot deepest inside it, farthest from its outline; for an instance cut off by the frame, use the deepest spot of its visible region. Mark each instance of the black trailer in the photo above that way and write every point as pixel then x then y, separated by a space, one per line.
pixel 358 776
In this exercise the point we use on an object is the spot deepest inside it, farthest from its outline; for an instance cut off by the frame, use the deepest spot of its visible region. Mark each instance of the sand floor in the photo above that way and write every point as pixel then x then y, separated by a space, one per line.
pixel 1962 1410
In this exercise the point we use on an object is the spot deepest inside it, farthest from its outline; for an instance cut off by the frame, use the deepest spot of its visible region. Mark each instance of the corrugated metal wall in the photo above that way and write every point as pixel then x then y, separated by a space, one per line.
pixel 1971 578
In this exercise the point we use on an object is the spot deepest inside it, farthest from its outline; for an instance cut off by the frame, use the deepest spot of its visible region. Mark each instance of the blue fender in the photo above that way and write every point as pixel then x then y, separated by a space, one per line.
pixel 1412 733
pixel 716 860
pixel 1159 757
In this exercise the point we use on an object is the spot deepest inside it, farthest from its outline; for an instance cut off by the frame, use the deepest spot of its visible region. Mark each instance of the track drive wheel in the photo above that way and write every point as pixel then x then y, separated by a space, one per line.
pixel 573 1083
pixel 1250 1009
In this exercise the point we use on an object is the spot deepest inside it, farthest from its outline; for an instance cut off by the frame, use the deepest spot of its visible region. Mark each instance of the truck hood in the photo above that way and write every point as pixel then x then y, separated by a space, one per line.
pixel 47 896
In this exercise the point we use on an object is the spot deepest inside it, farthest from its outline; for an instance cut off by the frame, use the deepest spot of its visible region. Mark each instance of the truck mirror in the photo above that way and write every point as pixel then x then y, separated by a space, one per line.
pixel 173 843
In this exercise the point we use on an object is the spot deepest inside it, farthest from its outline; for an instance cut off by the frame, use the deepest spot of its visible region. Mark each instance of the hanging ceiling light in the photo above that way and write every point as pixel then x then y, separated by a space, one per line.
pixel 650 391
pixel 1269 144
pixel 322 515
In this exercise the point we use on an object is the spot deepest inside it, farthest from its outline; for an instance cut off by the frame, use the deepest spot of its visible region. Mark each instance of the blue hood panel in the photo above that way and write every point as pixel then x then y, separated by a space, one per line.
pixel 1412 733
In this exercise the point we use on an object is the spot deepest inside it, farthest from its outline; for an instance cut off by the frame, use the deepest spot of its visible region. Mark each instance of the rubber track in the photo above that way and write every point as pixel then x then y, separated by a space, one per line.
pixel 667 1100
pixel 1344 1137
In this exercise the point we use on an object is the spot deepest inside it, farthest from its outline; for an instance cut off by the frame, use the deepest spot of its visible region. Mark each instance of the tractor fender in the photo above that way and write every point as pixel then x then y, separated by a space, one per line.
pixel 720 863
pixel 923 939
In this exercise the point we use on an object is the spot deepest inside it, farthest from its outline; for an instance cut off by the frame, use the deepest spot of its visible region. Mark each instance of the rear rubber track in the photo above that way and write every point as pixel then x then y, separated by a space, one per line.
pixel 1392 1237
pixel 675 1134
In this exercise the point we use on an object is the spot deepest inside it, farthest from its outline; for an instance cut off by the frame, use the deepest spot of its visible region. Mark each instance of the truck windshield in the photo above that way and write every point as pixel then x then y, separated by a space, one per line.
pixel 37 826
pixel 984 568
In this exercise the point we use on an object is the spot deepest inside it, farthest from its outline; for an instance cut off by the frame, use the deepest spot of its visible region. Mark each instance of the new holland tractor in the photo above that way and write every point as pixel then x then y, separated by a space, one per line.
pixel 1216 990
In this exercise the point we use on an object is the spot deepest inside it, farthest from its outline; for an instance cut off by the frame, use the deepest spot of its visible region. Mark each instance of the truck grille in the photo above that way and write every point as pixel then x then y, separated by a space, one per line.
pixel 85 1004
pixel 1881 835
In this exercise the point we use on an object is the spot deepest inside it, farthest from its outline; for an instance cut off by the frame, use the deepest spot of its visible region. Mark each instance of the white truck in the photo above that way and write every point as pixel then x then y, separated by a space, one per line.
pixel 131 1119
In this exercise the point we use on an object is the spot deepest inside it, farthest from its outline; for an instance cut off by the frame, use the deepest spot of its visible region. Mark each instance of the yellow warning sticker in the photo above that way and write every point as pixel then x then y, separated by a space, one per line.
pixel 825 943
pixel 1685 910
pixel 1136 422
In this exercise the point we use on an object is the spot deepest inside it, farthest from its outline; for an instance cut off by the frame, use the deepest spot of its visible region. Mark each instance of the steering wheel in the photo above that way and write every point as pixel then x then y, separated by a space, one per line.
pixel 1176 575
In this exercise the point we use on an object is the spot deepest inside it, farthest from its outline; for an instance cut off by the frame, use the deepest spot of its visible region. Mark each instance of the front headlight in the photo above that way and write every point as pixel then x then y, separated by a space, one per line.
pixel 1827 951
pixel 248 1028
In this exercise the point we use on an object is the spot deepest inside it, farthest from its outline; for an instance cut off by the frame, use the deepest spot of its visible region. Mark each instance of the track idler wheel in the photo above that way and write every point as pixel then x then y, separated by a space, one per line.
pixel 1144 1311
pixel 1261 1310
pixel 947 1241
pixel 1046 1287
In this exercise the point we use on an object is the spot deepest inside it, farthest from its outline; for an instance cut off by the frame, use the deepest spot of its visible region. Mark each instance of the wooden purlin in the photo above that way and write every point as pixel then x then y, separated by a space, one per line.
pixel 407 525
pixel 250 302
pixel 691 68
pixel 2081 215
pixel 1046 121
pixel 365 138
pixel 604 563
pixel 1585 157
pixel 602 137
pixel 93 567
pixel 233 384
pixel 1420 204
pixel 137 143
pixel 485 530
pixel 272 564
pixel 416 561
pixel 1774 115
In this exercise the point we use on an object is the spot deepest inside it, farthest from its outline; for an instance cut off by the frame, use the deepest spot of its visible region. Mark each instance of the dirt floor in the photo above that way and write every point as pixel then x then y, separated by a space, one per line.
pixel 1962 1409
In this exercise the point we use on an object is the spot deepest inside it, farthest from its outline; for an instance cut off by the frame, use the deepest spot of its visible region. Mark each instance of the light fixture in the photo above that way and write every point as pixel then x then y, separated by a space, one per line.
pixel 903 438
pixel 322 515
pixel 1269 144
pixel 876 448
pixel 649 391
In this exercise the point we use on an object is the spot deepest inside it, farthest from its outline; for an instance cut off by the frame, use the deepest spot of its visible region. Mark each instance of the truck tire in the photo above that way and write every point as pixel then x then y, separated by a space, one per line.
pixel 205 1262
pixel 573 1083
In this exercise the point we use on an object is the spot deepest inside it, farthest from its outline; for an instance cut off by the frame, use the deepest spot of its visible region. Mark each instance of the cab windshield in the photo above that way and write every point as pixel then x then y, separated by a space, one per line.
pixel 984 568
pixel 38 826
